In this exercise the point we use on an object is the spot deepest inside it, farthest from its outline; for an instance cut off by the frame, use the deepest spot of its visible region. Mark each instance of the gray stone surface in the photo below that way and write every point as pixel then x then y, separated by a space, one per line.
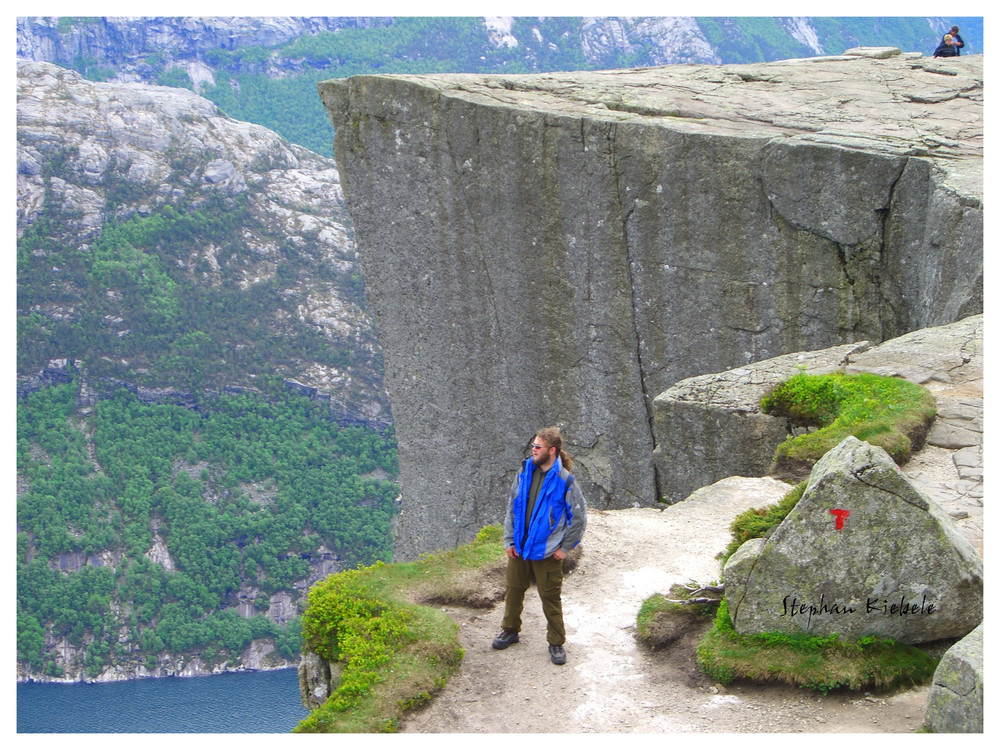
pixel 711 426
pixel 955 701
pixel 864 552
pixel 948 361
pixel 318 678
pixel 563 247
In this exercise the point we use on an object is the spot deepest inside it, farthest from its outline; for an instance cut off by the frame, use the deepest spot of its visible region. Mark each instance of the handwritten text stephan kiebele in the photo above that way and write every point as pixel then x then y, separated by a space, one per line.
pixel 792 608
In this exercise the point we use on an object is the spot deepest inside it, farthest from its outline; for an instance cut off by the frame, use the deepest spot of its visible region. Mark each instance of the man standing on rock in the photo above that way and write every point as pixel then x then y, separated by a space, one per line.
pixel 546 516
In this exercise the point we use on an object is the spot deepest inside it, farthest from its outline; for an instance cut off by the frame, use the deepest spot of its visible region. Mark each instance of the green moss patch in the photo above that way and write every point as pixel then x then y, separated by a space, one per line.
pixel 395 653
pixel 759 522
pixel 818 663
pixel 891 413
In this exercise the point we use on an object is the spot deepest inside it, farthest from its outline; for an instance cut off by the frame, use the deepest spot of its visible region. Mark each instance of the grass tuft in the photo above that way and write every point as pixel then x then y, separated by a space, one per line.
pixel 759 522
pixel 889 412
pixel 818 663
pixel 664 619
pixel 395 652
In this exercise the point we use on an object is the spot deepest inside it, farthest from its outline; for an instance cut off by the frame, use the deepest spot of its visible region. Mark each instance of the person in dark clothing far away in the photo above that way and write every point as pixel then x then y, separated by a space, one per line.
pixel 946 48
pixel 956 41
pixel 546 516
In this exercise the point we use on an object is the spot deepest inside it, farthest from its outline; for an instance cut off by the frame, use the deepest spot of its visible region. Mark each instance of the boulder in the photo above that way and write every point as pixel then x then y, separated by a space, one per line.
pixel 955 702
pixel 711 426
pixel 864 552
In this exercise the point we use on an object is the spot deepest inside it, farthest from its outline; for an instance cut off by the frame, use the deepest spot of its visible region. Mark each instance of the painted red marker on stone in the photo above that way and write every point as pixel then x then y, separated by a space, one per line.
pixel 841 517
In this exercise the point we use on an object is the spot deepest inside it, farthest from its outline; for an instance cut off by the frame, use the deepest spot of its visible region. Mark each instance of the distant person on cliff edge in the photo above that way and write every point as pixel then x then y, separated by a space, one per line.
pixel 946 48
pixel 956 41
pixel 546 516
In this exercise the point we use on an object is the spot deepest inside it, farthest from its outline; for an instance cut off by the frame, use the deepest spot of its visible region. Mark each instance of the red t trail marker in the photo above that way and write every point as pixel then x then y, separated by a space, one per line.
pixel 841 517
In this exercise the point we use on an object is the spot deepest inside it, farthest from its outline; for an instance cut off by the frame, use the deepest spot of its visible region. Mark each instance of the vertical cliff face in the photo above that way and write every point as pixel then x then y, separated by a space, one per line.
pixel 561 248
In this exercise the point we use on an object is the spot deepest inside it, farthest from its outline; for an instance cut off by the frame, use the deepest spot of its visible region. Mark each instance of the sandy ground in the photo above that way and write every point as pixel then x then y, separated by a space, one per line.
pixel 611 681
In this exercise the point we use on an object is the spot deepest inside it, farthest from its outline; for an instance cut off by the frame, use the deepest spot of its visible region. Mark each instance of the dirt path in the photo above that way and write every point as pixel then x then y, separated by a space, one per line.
pixel 612 683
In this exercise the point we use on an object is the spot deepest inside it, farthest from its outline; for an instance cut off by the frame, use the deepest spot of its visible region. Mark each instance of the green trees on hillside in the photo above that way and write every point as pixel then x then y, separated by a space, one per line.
pixel 241 492
pixel 910 34
pixel 141 312
pixel 750 40
pixel 289 105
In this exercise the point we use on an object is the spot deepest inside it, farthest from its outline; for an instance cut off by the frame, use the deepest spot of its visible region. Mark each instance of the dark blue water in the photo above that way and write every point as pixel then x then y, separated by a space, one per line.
pixel 234 702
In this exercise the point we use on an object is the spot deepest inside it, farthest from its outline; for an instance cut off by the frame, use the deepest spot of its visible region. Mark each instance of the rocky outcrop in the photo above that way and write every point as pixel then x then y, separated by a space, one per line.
pixel 259 656
pixel 864 552
pixel 563 248
pixel 955 702
pixel 318 678
pixel 93 154
pixel 711 426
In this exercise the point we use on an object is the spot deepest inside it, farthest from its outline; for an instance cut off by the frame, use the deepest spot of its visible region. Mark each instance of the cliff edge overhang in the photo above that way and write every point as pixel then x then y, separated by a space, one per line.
pixel 889 105
pixel 561 248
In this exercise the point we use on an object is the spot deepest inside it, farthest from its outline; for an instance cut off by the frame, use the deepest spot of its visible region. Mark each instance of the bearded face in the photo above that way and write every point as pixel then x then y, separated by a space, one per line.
pixel 540 452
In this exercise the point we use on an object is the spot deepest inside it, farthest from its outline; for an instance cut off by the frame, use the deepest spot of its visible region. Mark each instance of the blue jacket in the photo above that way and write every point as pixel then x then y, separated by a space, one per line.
pixel 558 519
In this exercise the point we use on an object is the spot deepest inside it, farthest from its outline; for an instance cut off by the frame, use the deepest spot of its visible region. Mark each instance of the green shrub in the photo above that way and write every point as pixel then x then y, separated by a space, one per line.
pixel 758 522
pixel 395 653
pixel 346 622
pixel 891 413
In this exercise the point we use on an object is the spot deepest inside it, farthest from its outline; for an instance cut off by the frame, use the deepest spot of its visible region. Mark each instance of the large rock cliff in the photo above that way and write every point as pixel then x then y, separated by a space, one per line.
pixel 136 45
pixel 561 248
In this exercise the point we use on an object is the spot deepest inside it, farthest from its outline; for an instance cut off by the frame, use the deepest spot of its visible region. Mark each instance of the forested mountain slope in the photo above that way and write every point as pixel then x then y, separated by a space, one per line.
pixel 164 244
pixel 199 385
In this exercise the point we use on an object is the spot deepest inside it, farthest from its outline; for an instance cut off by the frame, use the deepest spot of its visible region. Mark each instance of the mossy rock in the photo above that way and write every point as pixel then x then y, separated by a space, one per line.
pixel 887 412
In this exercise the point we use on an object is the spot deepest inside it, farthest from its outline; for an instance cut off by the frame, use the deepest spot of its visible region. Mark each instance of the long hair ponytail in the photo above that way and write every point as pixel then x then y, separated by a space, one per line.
pixel 553 438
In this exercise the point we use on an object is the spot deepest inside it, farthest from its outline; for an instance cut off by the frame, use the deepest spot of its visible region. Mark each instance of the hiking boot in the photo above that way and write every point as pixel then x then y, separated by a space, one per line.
pixel 557 654
pixel 505 638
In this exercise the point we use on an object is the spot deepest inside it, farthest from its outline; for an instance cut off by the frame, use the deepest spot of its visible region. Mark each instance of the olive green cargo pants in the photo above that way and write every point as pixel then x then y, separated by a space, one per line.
pixel 547 575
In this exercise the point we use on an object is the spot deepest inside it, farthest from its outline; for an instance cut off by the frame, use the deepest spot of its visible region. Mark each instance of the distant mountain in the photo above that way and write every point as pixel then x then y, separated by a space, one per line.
pixel 165 245
pixel 264 70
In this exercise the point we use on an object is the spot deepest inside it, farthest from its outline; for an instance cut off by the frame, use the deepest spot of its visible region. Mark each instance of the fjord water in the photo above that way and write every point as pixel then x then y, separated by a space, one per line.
pixel 237 702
